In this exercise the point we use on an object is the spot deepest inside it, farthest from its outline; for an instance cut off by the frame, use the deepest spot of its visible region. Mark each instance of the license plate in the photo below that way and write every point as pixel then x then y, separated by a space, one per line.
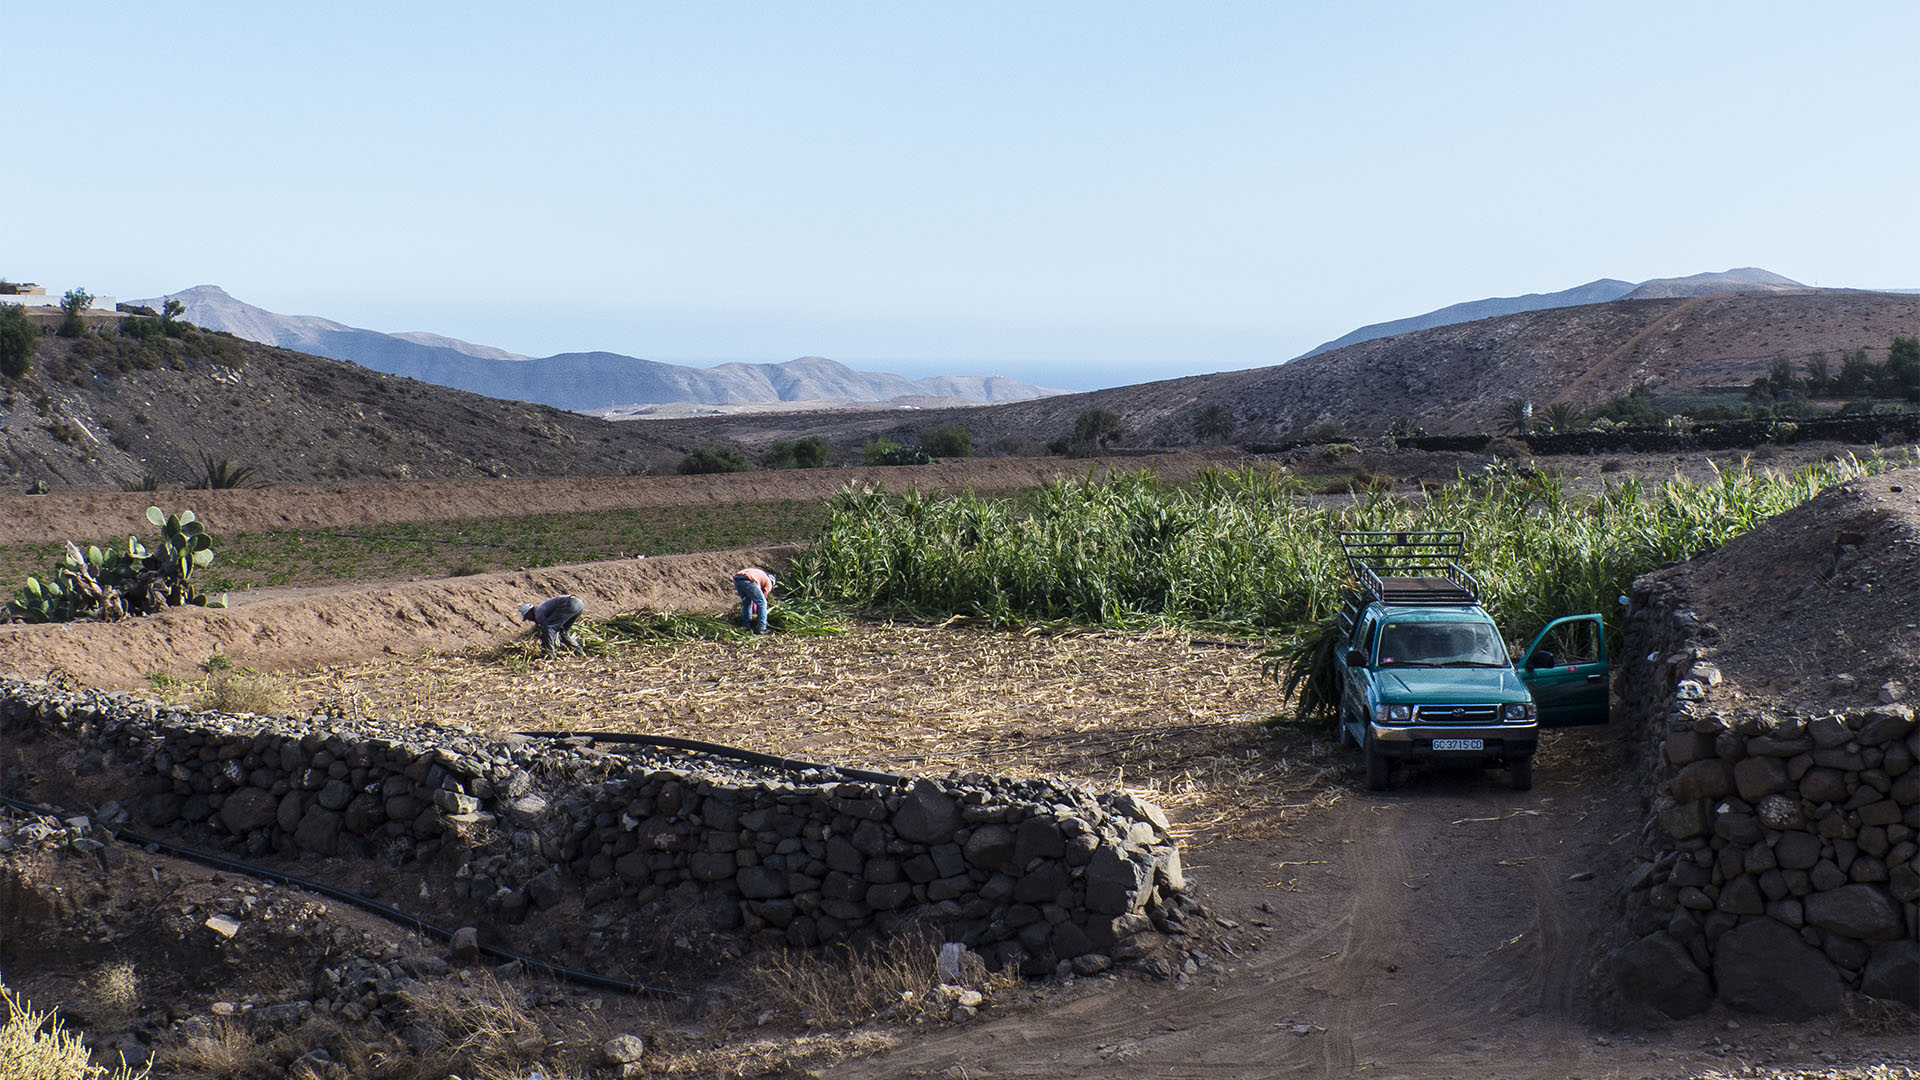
pixel 1459 744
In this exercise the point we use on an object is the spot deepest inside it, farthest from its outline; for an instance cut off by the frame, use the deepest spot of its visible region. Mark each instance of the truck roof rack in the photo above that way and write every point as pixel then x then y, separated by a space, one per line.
pixel 1411 568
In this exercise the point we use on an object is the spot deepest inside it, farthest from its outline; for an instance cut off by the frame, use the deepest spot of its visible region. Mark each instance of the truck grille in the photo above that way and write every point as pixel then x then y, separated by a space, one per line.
pixel 1456 714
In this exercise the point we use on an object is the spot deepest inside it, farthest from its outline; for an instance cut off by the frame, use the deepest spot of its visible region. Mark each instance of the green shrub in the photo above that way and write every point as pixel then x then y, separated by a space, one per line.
pixel 947 441
pixel 1326 431
pixel 142 328
pixel 1094 429
pixel 221 474
pixel 18 339
pixel 713 459
pixel 1632 410
pixel 807 453
pixel 888 452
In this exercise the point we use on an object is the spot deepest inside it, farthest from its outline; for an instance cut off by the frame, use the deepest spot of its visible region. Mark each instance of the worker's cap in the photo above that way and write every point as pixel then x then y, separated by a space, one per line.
pixel 524 609
pixel 772 580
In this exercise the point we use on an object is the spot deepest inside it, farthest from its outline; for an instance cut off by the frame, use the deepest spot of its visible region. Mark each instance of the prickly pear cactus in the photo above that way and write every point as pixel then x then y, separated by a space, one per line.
pixel 112 583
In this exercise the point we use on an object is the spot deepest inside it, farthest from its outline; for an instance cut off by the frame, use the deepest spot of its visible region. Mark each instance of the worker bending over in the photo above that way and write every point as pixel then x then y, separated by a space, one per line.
pixel 755 587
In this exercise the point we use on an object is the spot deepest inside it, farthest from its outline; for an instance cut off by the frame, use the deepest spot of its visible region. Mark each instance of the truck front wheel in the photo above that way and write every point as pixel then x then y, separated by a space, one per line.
pixel 1378 766
pixel 1520 772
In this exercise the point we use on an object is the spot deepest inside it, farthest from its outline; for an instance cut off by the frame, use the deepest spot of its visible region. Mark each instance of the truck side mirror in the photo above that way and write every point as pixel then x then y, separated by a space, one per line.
pixel 1356 658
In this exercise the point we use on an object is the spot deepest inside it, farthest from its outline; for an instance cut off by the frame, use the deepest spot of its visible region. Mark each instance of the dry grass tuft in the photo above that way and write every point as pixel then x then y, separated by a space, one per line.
pixel 479 1025
pixel 1877 1016
pixel 243 690
pixel 224 1049
pixel 472 1026
pixel 896 979
pixel 779 1056
pixel 115 994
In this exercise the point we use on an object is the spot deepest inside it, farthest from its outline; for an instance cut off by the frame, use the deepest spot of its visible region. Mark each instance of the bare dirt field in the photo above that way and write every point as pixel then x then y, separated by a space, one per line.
pixel 1449 928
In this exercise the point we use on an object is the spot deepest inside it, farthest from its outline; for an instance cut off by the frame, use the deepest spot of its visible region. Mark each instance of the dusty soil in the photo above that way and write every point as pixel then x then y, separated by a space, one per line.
pixel 1821 607
pixel 1448 928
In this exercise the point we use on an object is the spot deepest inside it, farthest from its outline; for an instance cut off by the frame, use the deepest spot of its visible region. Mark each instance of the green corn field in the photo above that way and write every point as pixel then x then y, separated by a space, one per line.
pixel 1249 551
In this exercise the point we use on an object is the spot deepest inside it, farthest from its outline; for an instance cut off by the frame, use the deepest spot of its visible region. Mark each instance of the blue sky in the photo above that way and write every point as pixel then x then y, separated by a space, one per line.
pixel 1077 194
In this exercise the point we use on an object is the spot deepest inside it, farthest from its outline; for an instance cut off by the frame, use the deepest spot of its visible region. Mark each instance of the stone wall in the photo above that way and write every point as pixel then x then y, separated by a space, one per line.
pixel 1777 868
pixel 1024 871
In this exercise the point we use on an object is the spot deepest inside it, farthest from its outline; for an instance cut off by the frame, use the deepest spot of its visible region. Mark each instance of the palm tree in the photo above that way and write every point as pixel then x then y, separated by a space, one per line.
pixel 1517 416
pixel 1213 422
pixel 1561 417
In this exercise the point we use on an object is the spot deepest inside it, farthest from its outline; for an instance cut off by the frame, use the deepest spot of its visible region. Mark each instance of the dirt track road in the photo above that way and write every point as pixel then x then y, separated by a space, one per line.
pixel 1435 931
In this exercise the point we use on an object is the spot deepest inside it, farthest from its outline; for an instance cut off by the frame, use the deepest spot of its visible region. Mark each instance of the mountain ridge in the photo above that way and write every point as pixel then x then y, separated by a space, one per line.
pixel 580 381
pixel 1744 279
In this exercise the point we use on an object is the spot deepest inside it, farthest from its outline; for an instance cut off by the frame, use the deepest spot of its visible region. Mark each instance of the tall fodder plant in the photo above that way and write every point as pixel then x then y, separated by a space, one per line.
pixel 1246 550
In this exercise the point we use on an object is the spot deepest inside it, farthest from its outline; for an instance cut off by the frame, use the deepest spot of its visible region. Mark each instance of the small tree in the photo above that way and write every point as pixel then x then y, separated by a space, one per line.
pixel 713 459
pixel 947 441
pixel 18 338
pixel 1213 423
pixel 1094 427
pixel 807 453
pixel 1780 376
pixel 72 303
pixel 1856 374
pixel 1819 378
pixel 1903 367
pixel 810 452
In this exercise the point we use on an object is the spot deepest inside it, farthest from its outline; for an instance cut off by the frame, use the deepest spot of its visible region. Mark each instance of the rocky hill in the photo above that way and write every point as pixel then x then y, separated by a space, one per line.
pixel 1446 379
pixel 1593 292
pixel 580 380
pixel 107 409
pixel 1746 279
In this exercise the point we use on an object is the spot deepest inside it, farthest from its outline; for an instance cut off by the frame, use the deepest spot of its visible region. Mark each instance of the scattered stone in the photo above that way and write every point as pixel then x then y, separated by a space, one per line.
pixel 224 925
pixel 623 1049
pixel 464 950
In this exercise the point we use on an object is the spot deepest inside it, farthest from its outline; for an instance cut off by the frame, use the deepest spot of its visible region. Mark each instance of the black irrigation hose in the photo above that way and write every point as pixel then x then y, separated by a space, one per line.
pixel 670 742
pixel 393 915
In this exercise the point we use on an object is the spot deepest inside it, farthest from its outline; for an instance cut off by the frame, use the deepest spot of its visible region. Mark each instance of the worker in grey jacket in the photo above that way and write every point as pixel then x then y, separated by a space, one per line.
pixel 555 618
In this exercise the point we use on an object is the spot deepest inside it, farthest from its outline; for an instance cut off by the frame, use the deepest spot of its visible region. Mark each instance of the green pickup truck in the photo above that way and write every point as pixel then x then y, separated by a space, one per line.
pixel 1424 672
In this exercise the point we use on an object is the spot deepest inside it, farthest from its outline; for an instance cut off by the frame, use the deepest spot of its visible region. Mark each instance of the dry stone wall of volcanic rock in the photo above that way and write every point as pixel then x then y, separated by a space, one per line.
pixel 1025 871
pixel 1778 864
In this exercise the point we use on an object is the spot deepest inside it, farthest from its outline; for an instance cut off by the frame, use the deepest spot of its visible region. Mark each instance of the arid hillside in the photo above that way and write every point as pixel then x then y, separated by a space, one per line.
pixel 1447 379
pixel 105 409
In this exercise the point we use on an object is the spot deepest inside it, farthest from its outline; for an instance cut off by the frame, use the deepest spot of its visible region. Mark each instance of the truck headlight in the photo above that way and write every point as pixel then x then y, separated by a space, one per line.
pixel 1399 712
pixel 1518 711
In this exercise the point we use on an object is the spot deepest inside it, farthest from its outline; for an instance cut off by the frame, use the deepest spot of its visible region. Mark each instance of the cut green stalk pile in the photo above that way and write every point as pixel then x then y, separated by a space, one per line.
pixel 1247 550
pixel 654 627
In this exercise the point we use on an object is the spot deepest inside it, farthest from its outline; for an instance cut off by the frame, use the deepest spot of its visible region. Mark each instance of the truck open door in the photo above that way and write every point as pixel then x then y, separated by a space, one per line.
pixel 1565 670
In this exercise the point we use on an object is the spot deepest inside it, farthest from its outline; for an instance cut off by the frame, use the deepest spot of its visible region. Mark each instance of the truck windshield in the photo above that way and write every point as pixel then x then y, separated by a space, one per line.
pixel 1441 644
